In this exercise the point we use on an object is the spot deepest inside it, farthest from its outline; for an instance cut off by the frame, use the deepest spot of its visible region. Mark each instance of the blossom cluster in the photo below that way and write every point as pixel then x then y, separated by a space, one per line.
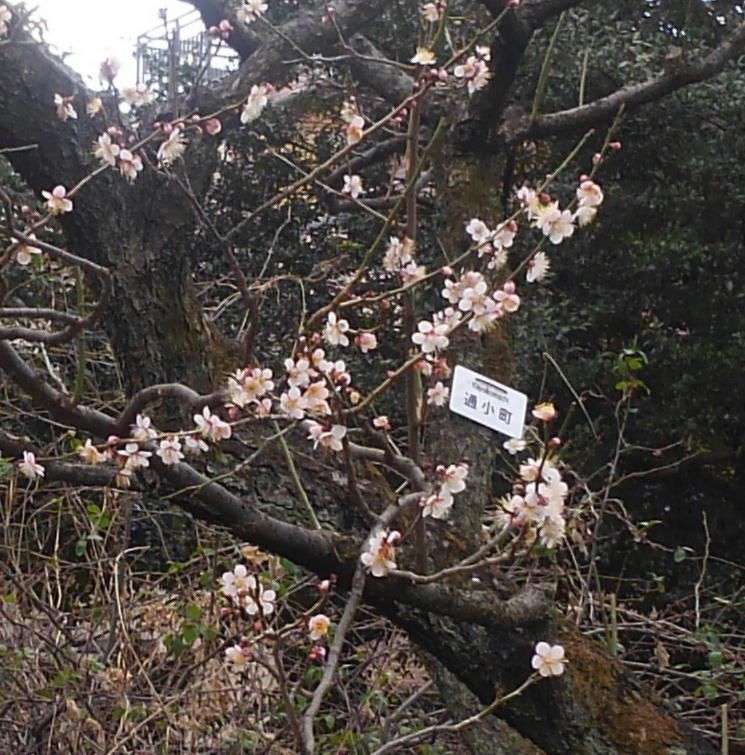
pixel 439 503
pixel 475 71
pixel 246 592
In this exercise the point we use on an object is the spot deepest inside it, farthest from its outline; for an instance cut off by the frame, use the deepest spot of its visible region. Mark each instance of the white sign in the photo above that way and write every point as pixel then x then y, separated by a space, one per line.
pixel 488 402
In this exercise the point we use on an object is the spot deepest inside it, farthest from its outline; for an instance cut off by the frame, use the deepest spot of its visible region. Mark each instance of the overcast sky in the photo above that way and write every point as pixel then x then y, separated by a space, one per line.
pixel 92 30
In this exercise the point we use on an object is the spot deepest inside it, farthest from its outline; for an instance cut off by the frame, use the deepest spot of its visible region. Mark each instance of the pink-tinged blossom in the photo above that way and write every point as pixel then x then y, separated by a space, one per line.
pixel 134 457
pixel 398 254
pixel 299 372
pixel 105 150
pixel 123 477
pixel 475 72
pixel 412 273
pixel 552 531
pixel 143 429
pixel 545 412
pixel 29 466
pixel 237 583
pixel 505 234
pixel 293 403
pixel 129 165
pixel 249 385
pixel 430 338
pixel 530 201
pixel 258 98
pixel 211 427
pixel 513 446
pixel 25 252
pixel 172 148
pixel 538 268
pixel 331 439
pixel 438 394
pixel 589 194
pixel 316 398
pixel 585 215
pixel 483 320
pixel 555 223
pixel 507 298
pixel 5 18
pixel 169 451
pixel 366 342
pixel 90 454
pixel 382 422
pixel 194 445
pixel 454 477
pixel 437 504
pixel 474 299
pixel 432 12
pixel 424 57
pixel 355 129
pixel 237 656
pixel 353 186
pixel 65 108
pixel 57 201
pixel 335 331
pixel 318 626
pixel 548 659
pixel 251 10
pixel 379 557
pixel 478 231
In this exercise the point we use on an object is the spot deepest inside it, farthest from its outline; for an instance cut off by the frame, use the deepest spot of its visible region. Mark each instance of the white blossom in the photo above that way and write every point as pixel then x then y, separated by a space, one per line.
pixel 29 466
pixel 548 659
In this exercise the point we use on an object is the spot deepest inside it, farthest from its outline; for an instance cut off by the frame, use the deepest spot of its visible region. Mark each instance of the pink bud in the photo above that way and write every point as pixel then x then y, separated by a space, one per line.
pixel 509 287
pixel 615 146
pixel 597 158
pixel 212 126
pixel 446 270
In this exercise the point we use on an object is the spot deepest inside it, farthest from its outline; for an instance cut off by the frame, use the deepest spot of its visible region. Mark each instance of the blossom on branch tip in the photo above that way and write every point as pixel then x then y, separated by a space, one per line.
pixel 318 626
pixel 211 427
pixel 514 445
pixel 545 412
pixel 379 557
pixel 29 466
pixel 172 148
pixel 353 186
pixel 548 659
pixel 57 201
pixel 554 223
pixel 250 10
pixel 423 57
pixel 430 338
pixel 65 108
pixel 335 331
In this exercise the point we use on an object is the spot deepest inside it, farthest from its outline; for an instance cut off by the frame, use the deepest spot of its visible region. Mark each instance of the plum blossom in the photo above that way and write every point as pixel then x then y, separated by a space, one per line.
pixel 236 583
pixel 169 451
pixel 142 429
pixel 478 231
pixel 355 129
pixel 129 165
pixel 475 70
pixel 316 396
pixel 172 148
pixel 430 337
pixel 589 194
pixel 552 531
pixel 398 254
pixel 335 331
pixel 135 457
pixel 548 659
pixel 585 215
pixel 5 17
pixel 424 57
pixel 412 273
pixel 513 446
pixel 380 554
pixel 454 477
pixel 353 186
pixel 538 267
pixel 438 504
pixel 432 12
pixel 545 412
pixel 25 252
pixel 555 223
pixel 438 395
pixel 193 444
pixel 293 403
pixel 105 150
pixel 213 126
pixel 251 10
pixel 57 201
pixel 29 466
pixel 483 319
pixel 258 600
pixel 299 372
pixel 382 422
pixel 90 454
pixel 211 427
pixel 331 439
pixel 366 342
pixel 258 98
pixel 507 298
pixel 237 656
pixel 249 385
pixel 530 201
pixel 318 626
pixel 65 108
